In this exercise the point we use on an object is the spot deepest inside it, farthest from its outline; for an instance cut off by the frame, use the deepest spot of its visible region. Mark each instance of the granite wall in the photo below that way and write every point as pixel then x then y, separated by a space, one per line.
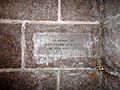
pixel 93 24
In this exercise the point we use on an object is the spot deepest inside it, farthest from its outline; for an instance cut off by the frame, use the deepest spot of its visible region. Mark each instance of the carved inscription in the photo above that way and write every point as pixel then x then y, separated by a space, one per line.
pixel 50 47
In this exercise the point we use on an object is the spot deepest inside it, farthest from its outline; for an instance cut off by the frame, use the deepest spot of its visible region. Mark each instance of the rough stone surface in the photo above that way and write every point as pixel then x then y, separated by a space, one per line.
pixel 111 55
pixel 68 62
pixel 111 8
pixel 28 9
pixel 10 47
pixel 35 80
pixel 80 80
pixel 99 61
pixel 80 10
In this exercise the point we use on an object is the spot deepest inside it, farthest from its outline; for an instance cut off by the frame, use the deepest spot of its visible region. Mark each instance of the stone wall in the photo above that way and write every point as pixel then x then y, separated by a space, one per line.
pixel 92 24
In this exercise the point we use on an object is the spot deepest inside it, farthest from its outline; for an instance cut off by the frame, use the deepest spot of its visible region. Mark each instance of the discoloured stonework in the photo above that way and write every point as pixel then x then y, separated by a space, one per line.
pixel 111 55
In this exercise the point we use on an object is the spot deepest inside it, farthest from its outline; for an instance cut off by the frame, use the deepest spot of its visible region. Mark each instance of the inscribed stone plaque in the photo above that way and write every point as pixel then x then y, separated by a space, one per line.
pixel 50 47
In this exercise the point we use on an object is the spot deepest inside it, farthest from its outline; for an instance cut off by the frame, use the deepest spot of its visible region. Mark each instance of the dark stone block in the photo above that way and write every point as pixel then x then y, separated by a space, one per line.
pixel 80 61
pixel 35 80
pixel 10 45
pixel 80 80
pixel 80 10
pixel 28 9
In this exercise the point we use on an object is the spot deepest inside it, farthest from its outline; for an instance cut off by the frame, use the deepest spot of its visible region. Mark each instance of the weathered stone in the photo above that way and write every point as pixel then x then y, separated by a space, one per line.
pixel 34 80
pixel 111 55
pixel 80 10
pixel 28 9
pixel 80 80
pixel 35 43
pixel 10 47
pixel 111 8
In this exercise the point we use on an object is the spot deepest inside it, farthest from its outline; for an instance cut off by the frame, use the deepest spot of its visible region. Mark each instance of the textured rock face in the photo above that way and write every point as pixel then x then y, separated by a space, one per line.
pixel 59 45
pixel 80 80
pixel 10 47
pixel 111 55
pixel 37 80
pixel 111 8
pixel 86 32
pixel 80 10
pixel 28 9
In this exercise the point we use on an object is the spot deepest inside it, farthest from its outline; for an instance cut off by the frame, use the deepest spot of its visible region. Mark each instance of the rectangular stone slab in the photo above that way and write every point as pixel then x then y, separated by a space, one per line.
pixel 87 36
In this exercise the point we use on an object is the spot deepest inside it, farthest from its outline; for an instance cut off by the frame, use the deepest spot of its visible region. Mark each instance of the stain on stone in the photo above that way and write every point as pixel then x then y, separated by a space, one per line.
pixel 93 74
